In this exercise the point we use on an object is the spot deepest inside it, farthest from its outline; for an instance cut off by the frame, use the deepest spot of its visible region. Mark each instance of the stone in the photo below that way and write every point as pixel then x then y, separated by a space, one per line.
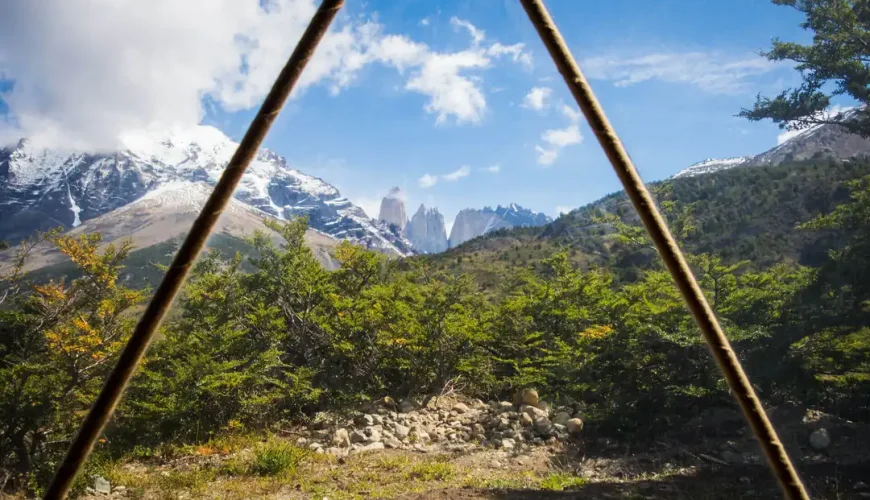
pixel 574 426
pixel 358 436
pixel 406 406
pixel 529 396
pixel 102 486
pixel 562 418
pixel 370 447
pixel 860 486
pixel 341 438
pixel 532 411
pixel 374 435
pixel 507 444
pixel 505 406
pixel 543 426
pixel 301 442
pixel 526 420
pixel 364 420
pixel 315 446
pixel 460 408
pixel 391 442
pixel 378 420
pixel 543 405
pixel 820 439
pixel 119 490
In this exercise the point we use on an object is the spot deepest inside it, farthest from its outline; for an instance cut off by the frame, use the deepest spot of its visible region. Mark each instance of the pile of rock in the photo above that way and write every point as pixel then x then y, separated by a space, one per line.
pixel 458 427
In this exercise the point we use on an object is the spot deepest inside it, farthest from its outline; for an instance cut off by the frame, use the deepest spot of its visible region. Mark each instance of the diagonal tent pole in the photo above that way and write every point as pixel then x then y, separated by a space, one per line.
pixel 184 260
pixel 657 229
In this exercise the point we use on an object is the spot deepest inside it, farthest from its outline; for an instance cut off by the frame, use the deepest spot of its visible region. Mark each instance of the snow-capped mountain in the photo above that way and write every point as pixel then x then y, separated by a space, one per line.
pixel 41 188
pixel 471 222
pixel 826 141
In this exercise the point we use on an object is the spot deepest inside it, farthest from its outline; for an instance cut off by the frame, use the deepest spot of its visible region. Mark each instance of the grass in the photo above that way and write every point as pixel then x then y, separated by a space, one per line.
pixel 432 471
pixel 560 481
pixel 277 457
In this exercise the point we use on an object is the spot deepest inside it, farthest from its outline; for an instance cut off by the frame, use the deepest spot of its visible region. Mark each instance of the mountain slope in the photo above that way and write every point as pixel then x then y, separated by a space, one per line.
pixel 819 142
pixel 471 222
pixel 42 188
pixel 741 213
pixel 426 230
pixel 165 214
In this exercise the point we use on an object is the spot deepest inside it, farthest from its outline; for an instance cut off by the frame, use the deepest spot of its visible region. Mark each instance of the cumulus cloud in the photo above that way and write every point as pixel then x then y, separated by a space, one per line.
pixel 424 21
pixel 463 171
pixel 712 72
pixel 494 169
pixel 537 98
pixel 127 65
pixel 558 138
pixel 427 181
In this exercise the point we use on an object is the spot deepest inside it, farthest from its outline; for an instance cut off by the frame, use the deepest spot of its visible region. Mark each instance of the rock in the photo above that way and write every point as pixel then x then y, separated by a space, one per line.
pixel 315 446
pixel 358 436
pixel 533 411
pixel 562 418
pixel 406 406
pixel 525 420
pixel 341 438
pixel 364 420
pixel 102 486
pixel 575 427
pixel 119 490
pixel 426 230
pixel 820 439
pixel 543 425
pixel 378 420
pixel 401 431
pixel 505 406
pixel 391 442
pixel 860 486
pixel 507 444
pixel 374 435
pixel 337 452
pixel 744 480
pixel 529 397
pixel 543 405
pixel 460 408
pixel 370 447
pixel 393 209
pixel 301 442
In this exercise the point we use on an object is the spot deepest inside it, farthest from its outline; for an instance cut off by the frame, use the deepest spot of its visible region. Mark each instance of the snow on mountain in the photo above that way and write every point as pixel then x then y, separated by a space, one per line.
pixel 42 188
pixel 711 165
pixel 471 223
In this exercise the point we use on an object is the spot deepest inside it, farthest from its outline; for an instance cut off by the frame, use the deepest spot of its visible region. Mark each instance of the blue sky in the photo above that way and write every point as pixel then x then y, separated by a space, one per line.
pixel 374 134
pixel 445 107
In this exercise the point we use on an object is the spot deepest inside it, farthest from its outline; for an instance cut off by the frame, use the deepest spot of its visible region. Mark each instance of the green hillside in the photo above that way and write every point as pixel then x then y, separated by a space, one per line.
pixel 742 213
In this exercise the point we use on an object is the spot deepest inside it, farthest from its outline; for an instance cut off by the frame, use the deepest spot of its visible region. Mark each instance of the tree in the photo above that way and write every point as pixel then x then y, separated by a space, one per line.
pixel 837 63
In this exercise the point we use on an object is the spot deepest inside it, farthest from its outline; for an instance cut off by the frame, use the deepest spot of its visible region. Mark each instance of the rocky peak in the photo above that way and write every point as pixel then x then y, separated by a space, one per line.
pixel 471 223
pixel 393 210
pixel 426 230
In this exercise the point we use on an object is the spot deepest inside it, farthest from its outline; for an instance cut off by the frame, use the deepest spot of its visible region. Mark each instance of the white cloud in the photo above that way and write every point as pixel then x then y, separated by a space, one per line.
pixel 571 113
pixel 537 98
pixel 463 171
pixel 126 65
pixel 494 169
pixel 424 21
pixel 563 209
pixel 546 156
pixel 427 181
pixel 709 71
pixel 831 112
pixel 370 204
pixel 477 35
pixel 558 138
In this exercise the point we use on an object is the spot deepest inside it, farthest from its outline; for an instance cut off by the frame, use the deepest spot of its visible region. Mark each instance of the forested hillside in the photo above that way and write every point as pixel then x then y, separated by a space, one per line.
pixel 747 213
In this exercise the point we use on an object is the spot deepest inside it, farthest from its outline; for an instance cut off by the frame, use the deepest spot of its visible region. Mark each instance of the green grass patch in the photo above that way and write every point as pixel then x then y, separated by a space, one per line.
pixel 560 481
pixel 276 457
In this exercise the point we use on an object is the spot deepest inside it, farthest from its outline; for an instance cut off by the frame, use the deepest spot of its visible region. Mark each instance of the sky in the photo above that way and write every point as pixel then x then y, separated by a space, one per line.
pixel 456 101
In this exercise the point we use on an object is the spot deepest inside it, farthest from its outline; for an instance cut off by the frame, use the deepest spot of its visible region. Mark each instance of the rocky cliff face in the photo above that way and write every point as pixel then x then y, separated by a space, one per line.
pixel 393 210
pixel 471 223
pixel 426 231
pixel 41 189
